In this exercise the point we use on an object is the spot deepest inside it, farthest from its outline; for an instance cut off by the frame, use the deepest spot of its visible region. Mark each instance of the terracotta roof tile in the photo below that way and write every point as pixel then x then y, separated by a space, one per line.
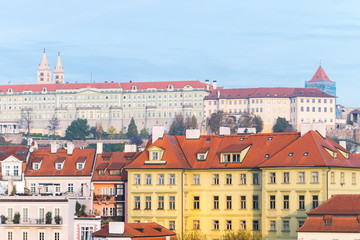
pixel 139 231
pixel 320 75
pixel 18 151
pixel 81 159
pixel 164 85
pixel 47 167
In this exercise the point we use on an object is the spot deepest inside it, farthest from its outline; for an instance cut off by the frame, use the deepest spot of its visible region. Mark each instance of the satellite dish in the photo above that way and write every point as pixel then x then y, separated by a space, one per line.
pixel 92 187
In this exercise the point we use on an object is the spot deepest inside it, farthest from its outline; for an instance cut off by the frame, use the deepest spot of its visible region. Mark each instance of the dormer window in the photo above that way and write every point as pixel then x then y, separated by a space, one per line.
pixel 80 166
pixel 134 88
pixel 228 154
pixel 36 163
pixel 44 89
pixel 10 90
pixel 170 87
pixel 36 166
pixel 328 220
pixel 101 172
pixel 155 155
pixel 201 156
pixel 115 172
pixel 80 163
pixel 58 166
pixel 344 154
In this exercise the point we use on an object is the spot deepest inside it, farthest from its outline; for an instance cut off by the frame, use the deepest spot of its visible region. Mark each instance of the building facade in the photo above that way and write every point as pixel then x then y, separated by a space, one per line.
pixel 264 183
pixel 296 105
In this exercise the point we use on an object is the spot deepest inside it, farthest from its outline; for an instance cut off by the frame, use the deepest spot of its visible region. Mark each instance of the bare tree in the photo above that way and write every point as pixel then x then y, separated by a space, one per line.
pixel 54 124
pixel 26 119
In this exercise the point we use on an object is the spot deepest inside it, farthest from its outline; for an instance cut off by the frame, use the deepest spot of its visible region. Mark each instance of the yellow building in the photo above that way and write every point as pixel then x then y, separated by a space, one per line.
pixel 264 183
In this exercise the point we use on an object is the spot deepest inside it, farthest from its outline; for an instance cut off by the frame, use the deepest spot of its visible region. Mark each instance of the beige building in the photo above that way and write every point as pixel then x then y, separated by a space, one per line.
pixel 297 105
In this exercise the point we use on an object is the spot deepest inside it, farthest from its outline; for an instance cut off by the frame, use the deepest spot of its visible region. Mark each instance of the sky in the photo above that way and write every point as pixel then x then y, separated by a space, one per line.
pixel 238 43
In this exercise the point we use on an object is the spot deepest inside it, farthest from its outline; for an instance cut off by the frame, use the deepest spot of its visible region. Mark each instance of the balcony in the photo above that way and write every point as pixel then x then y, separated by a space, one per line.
pixel 104 199
pixel 32 222
pixel 15 178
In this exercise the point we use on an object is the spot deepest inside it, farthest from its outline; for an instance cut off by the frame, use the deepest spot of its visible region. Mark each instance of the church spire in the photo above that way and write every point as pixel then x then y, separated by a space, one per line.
pixel 58 71
pixel 44 71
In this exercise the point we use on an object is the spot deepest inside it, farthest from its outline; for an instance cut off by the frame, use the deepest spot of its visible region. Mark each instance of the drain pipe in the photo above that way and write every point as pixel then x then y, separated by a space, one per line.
pixel 327 183
pixel 182 203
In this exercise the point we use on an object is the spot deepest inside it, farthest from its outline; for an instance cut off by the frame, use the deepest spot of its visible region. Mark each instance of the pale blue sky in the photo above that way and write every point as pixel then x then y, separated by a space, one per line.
pixel 238 43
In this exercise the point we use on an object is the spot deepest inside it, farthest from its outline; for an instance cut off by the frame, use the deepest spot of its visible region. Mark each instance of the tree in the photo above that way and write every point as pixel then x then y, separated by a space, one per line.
pixel 77 130
pixel 132 129
pixel 282 125
pixel 137 140
pixel 248 120
pixel 26 119
pixel 112 132
pixel 178 126
pixel 215 120
pixel 144 133
pixel 191 123
pixel 194 235
pixel 240 235
pixel 54 123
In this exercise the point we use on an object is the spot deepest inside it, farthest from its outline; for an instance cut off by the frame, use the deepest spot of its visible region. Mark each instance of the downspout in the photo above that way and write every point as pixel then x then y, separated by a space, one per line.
pixel 327 183
pixel 182 203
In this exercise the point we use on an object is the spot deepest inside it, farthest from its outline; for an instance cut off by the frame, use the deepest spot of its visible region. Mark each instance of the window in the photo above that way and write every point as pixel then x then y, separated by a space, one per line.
pixel 137 202
pixel 105 211
pixel 172 225
pixel 33 188
pixel 16 170
pixel 342 181
pixel 243 178
pixel 255 178
pixel 80 166
pixel 243 202
pixel 255 225
pixel 25 236
pixel 86 233
pixel 148 179
pixel 9 236
pixel 228 179
pixel 315 202
pixel 301 222
pixel 216 179
pixel 286 177
pixel 228 225
pixel 172 179
pixel 272 177
pixel 228 202
pixel 147 203
pixel 196 202
pixel 332 177
pixel 255 202
pixel 196 179
pixel 161 179
pixel 301 201
pixel 242 225
pixel 328 222
pixel 286 226
pixel 286 201
pixel 25 215
pixel 70 187
pixel 272 226
pixel 137 179
pixel 272 202
pixel 196 224
pixel 353 178
pixel 301 177
pixel 172 203
pixel 155 155
pixel 216 202
pixel 57 236
pixel 216 225
pixel 41 236
pixel 315 177
pixel 160 203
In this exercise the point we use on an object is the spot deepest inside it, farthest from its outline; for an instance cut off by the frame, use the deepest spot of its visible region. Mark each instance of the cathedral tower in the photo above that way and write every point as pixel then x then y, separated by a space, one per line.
pixel 44 71
pixel 58 73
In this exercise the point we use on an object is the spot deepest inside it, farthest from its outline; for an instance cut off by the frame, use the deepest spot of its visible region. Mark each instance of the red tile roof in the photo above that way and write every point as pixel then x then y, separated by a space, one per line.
pixel 139 231
pixel 313 144
pixel 47 167
pixel 18 151
pixel 164 85
pixel 320 75
pixel 343 210
pixel 117 160
pixel 182 153
pixel 276 92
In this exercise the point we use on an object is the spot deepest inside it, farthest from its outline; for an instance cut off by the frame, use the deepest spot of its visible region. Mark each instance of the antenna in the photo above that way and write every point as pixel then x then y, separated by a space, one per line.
pixel 320 62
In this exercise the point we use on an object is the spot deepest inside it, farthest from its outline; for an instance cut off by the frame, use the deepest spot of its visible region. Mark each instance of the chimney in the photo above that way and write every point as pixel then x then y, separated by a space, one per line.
pixel 343 144
pixel 54 147
pixel 192 134
pixel 157 132
pixel 99 148
pixel 224 131
pixel 70 148
pixel 214 84
pixel 207 85
pixel 116 227
pixel 246 131
pixel 130 148
pixel 218 93
pixel 321 128
pixel 305 127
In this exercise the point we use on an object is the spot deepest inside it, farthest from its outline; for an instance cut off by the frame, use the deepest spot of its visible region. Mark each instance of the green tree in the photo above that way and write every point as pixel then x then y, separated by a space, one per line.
pixel 194 235
pixel 240 235
pixel 132 129
pixel 77 130
pixel 112 132
pixel 137 140
pixel 144 133
pixel 191 123
pixel 214 122
pixel 282 125
pixel 178 126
